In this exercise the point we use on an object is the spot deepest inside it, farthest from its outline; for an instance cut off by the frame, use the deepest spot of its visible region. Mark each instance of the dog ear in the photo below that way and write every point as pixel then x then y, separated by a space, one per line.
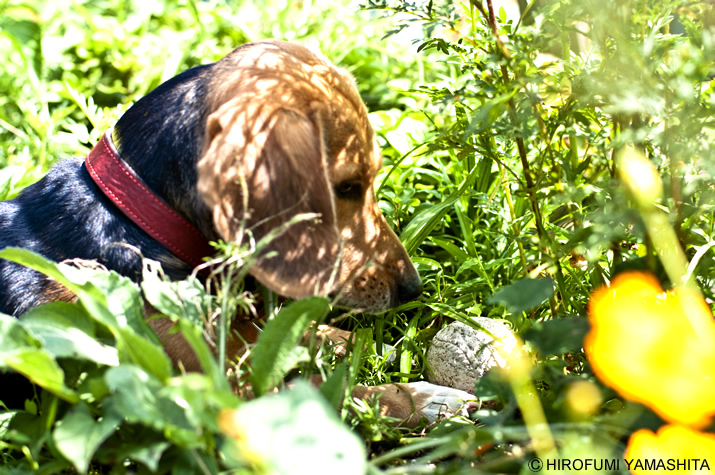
pixel 274 161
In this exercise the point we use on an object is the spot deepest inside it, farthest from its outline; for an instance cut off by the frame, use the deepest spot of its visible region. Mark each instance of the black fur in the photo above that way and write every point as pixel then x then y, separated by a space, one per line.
pixel 65 215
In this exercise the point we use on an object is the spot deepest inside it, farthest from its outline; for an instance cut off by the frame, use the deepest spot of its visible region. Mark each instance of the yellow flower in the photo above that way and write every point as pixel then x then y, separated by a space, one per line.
pixel 676 447
pixel 643 343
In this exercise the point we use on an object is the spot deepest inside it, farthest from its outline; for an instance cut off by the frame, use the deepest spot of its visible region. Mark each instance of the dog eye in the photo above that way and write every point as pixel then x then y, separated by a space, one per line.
pixel 348 190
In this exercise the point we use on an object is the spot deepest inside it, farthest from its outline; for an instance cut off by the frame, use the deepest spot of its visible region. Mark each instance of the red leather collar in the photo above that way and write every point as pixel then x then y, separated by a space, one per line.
pixel 147 210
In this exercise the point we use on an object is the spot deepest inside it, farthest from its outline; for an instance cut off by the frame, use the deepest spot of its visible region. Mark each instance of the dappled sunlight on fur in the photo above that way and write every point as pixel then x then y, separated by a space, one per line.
pixel 292 127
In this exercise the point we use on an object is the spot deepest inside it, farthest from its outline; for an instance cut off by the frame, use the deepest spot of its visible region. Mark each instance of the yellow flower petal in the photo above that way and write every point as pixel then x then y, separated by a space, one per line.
pixel 676 447
pixel 643 344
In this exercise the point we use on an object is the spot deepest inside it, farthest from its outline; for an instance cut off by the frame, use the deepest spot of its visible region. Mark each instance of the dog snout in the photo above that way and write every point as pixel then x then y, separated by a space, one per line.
pixel 409 287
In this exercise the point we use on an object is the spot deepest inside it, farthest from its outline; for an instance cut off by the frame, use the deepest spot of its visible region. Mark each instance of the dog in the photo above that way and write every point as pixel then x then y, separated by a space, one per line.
pixel 270 132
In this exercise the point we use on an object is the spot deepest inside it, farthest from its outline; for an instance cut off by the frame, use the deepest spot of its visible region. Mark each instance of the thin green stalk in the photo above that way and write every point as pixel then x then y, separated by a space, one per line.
pixel 515 223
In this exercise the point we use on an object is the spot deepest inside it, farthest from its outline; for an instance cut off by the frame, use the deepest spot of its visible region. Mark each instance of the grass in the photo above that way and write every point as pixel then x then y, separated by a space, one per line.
pixel 502 138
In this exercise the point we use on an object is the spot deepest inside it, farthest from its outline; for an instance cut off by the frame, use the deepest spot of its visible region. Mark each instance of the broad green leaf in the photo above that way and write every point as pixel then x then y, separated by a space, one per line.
pixel 79 435
pixel 40 367
pixel 558 336
pixel 144 353
pixel 138 396
pixel 524 294
pixel 14 336
pixel 144 448
pixel 275 354
pixel 135 395
pixel 186 298
pixel 111 299
pixel 35 261
pixel 149 455
pixel 123 298
pixel 21 30
pixel 22 352
pixel 423 224
pixel 186 303
pixel 294 431
pixel 67 332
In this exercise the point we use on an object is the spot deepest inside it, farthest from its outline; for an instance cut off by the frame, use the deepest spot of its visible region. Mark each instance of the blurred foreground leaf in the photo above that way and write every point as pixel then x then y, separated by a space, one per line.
pixel 276 352
pixel 79 435
pixel 524 294
pixel 294 431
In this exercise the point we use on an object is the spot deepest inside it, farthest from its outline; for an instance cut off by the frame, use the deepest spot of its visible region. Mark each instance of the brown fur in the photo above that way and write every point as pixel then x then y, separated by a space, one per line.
pixel 292 127
pixel 274 132
pixel 288 135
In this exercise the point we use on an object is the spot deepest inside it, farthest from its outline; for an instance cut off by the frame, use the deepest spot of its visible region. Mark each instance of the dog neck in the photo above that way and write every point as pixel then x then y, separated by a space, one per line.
pixel 138 202
pixel 161 138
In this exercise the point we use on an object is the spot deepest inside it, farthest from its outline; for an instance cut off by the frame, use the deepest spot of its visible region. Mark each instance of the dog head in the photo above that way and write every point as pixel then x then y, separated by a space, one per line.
pixel 289 136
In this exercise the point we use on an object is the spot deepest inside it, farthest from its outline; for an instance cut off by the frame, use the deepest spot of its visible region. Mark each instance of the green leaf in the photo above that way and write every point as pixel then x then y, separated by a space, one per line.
pixel 485 177
pixel 408 344
pixel 149 455
pixel 456 252
pixel 135 395
pixel 333 389
pixel 524 294
pixel 195 338
pixel 9 177
pixel 427 263
pixel 109 298
pixel 22 352
pixel 486 114
pixel 476 265
pixel 34 261
pixel 144 353
pixel 123 297
pixel 275 352
pixel 556 337
pixel 21 30
pixel 294 431
pixel 186 303
pixel 79 435
pixel 178 299
pixel 14 336
pixel 139 397
pixel 362 339
pixel 40 367
pixel 67 332
pixel 423 224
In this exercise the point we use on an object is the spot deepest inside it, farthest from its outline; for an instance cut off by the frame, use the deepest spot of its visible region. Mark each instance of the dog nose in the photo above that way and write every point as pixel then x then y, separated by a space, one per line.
pixel 409 289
